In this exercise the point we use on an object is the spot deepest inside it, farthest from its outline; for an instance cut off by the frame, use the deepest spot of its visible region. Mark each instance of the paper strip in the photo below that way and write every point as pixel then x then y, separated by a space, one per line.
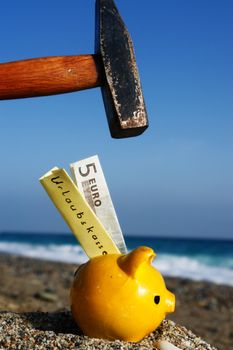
pixel 82 221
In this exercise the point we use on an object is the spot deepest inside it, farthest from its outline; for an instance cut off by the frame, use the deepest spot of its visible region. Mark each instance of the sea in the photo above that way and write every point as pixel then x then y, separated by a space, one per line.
pixel 196 259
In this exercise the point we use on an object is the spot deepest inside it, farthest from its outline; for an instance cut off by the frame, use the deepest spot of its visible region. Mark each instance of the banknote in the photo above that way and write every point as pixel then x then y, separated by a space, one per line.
pixel 89 177
pixel 81 219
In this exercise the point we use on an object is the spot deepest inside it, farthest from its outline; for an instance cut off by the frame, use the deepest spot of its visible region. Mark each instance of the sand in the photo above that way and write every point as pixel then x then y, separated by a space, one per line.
pixel 34 311
pixel 42 331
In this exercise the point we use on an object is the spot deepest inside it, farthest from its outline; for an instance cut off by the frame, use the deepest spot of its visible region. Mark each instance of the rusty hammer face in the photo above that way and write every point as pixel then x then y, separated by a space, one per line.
pixel 113 67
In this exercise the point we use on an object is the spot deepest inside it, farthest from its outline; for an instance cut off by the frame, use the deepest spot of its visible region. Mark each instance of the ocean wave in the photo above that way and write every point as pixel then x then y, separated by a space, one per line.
pixel 187 267
pixel 54 252
pixel 167 264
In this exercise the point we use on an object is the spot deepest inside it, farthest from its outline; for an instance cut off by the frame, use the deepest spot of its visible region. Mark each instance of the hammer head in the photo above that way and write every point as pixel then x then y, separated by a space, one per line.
pixel 122 92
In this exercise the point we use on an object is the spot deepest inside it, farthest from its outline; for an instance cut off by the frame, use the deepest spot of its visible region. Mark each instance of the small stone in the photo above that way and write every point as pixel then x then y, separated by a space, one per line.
pixel 46 296
pixel 165 345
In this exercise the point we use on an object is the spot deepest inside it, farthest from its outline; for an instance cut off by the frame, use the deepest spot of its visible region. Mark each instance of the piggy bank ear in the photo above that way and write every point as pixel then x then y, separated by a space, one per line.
pixel 130 263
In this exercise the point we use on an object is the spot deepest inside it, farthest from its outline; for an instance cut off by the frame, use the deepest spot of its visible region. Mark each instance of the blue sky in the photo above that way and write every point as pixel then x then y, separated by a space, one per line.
pixel 174 180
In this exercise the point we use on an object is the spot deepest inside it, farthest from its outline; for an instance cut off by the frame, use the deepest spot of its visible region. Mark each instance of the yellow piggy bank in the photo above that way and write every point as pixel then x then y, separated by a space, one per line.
pixel 120 296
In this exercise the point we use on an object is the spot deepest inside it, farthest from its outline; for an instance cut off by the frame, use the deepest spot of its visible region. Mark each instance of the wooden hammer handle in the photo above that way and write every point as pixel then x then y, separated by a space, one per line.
pixel 49 76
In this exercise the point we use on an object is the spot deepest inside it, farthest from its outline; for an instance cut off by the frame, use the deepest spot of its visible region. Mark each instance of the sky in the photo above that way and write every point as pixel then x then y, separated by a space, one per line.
pixel 174 180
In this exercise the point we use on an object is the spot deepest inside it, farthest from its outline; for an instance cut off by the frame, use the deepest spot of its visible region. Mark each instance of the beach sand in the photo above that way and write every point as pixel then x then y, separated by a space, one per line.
pixel 36 293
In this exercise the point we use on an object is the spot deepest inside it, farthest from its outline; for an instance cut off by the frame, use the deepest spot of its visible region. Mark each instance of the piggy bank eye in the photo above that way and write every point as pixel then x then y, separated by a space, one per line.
pixel 157 299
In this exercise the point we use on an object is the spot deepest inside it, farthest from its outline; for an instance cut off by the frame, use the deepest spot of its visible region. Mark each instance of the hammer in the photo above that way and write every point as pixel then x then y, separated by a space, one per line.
pixel 112 67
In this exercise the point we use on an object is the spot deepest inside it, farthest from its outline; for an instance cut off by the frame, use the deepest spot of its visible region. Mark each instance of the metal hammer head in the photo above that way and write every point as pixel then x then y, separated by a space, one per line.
pixel 122 92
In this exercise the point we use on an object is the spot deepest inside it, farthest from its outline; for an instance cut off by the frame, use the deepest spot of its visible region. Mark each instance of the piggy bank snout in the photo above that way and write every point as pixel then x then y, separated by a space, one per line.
pixel 169 302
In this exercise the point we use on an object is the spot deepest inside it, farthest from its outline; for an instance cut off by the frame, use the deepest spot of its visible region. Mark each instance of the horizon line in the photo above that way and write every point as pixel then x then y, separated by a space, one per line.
pixel 127 235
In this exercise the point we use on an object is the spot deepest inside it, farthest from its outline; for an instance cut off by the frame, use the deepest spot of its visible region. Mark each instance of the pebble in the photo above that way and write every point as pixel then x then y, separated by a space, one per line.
pixel 165 345
pixel 46 296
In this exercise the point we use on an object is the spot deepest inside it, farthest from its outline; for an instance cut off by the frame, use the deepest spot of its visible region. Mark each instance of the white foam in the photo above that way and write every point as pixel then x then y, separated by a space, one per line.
pixel 167 264
pixel 54 252
pixel 183 266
